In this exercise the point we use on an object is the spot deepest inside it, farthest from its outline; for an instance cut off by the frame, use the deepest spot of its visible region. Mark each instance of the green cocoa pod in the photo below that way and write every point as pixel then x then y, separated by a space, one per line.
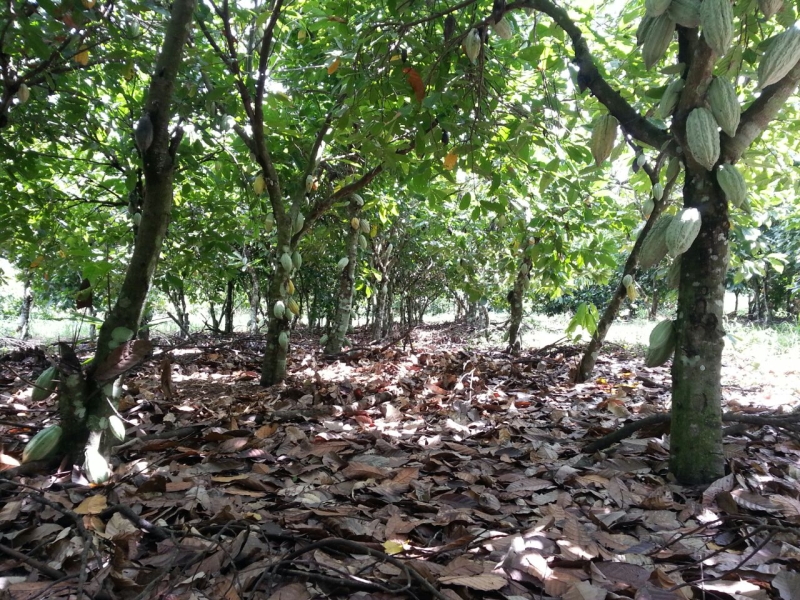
pixel 682 231
pixel 654 247
pixel 781 55
pixel 299 221
pixel 702 137
pixel 45 384
pixel 670 99
pixel 655 8
pixel 116 427
pixel 42 444
pixel 657 40
pixel 685 13
pixel 732 184
pixel 662 344
pixel 604 135
pixel 724 104
pixel 716 19
pixel 674 274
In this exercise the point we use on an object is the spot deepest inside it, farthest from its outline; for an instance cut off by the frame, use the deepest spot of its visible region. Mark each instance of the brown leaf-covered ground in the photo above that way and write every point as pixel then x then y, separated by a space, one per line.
pixel 430 470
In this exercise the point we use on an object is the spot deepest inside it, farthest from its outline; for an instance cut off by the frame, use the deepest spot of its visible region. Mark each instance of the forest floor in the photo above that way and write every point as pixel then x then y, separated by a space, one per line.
pixel 441 468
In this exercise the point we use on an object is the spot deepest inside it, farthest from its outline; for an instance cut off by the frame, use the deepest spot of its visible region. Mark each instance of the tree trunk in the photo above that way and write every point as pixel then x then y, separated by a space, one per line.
pixel 389 310
pixel 254 298
pixel 273 368
pixel 461 310
pixel 770 312
pixel 181 318
pixel 477 315
pixel 23 328
pixel 654 303
pixel 95 402
pixel 379 314
pixel 229 306
pixel 344 299
pixel 736 303
pixel 696 455
pixel 92 326
pixel 516 298
pixel 215 321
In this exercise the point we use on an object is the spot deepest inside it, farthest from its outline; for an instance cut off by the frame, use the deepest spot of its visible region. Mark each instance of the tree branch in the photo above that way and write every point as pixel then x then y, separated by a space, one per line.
pixel 759 114
pixel 636 125
pixel 321 206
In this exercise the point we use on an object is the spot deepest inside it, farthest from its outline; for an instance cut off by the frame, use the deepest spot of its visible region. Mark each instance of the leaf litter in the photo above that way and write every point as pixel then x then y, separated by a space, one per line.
pixel 429 469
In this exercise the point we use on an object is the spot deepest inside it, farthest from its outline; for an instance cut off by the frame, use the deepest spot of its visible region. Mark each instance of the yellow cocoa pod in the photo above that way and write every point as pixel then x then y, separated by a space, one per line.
pixel 355 223
pixel 82 57
pixel 259 185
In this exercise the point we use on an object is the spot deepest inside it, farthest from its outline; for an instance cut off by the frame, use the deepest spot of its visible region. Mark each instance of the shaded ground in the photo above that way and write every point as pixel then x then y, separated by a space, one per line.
pixel 430 470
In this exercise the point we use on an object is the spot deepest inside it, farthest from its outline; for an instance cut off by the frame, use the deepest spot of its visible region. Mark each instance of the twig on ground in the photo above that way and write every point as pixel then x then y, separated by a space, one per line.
pixel 36 564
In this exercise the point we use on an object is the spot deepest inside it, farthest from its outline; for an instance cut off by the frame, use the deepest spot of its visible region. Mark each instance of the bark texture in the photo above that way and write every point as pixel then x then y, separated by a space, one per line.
pixel 344 300
pixel 254 299
pixel 696 455
pixel 516 300
pixel 273 368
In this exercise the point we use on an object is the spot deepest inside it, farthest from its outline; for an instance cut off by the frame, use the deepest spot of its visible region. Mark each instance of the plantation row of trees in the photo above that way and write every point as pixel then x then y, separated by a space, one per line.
pixel 307 150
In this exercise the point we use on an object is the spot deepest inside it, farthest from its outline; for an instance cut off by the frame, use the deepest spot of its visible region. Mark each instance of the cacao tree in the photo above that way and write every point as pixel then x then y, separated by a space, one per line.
pixel 705 50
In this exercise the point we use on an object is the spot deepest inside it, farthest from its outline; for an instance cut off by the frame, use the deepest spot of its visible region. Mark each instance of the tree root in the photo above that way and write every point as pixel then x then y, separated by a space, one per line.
pixel 789 425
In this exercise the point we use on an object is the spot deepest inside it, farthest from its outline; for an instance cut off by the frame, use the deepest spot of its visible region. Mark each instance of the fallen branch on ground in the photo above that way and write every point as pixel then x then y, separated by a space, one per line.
pixel 789 425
